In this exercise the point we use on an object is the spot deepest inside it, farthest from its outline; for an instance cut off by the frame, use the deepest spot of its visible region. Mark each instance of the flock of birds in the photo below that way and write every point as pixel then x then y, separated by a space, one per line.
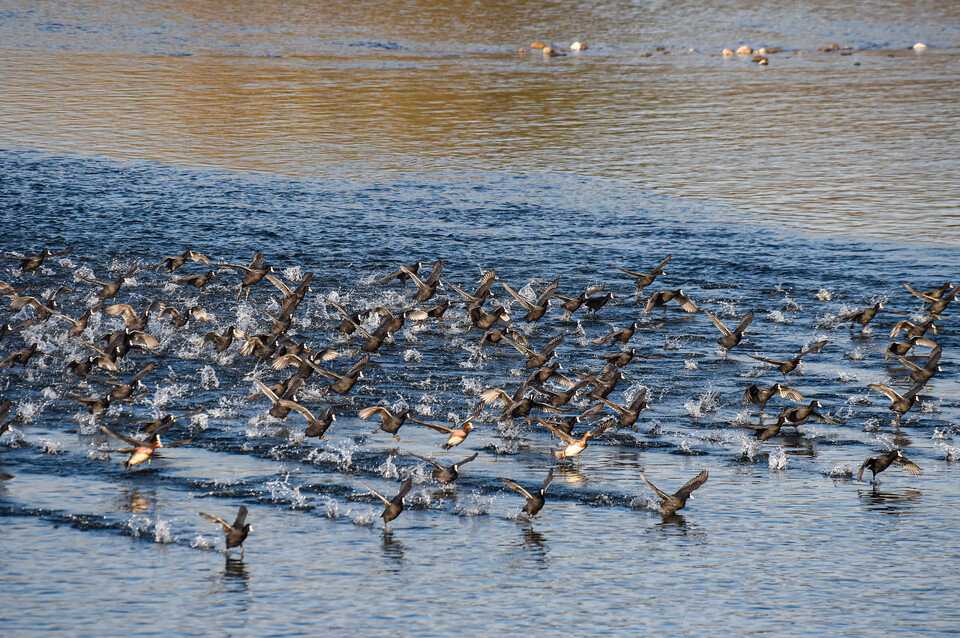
pixel 121 359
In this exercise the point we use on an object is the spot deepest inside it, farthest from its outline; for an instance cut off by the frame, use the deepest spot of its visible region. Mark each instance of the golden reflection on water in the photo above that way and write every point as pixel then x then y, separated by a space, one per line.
pixel 863 144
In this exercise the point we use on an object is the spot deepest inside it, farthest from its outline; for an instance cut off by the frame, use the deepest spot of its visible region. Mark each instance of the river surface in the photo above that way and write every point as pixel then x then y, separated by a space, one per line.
pixel 340 138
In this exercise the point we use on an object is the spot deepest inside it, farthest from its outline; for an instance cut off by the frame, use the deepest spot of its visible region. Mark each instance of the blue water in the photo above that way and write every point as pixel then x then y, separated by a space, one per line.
pixel 340 139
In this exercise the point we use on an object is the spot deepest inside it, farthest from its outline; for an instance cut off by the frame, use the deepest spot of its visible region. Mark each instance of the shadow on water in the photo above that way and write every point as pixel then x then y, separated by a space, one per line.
pixel 534 543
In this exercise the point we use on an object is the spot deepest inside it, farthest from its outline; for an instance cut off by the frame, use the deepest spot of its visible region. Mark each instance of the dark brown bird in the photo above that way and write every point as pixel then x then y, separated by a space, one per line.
pixel 5 406
pixel 662 297
pixel 222 342
pixel 901 348
pixel 426 289
pixel 236 533
pixel 877 464
pixel 110 289
pixel 285 403
pixel 598 302
pixel 790 365
pixel 31 263
pixel 630 414
pixel 622 335
pixel 900 404
pixel 42 308
pixel 21 356
pixel 914 330
pixel 342 384
pixel 485 320
pixel 252 274
pixel 559 399
pixel 124 390
pixel 759 396
pixel 938 305
pixel 644 279
pixel 929 295
pixel 536 359
pixel 620 359
pixel 197 281
pixel 484 288
pixel 393 506
pixel 863 317
pixel 172 263
pixel 537 309
pixel 610 375
pixel 800 414
pixel 443 474
pixel 767 433
pixel 572 304
pixel 79 324
pixel 534 501
pixel 400 275
pixel 152 426
pixel 930 368
pixel 730 339
pixel 180 319
pixel 390 423
pixel 516 406
pixel 318 427
pixel 670 504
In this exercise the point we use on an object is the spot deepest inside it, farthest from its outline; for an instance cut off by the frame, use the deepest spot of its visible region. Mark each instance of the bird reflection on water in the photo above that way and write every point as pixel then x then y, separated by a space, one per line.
pixel 393 550
pixel 892 502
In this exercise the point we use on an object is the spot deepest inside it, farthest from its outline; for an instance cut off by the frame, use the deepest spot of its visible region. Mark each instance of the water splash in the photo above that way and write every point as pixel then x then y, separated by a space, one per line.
pixel 777 459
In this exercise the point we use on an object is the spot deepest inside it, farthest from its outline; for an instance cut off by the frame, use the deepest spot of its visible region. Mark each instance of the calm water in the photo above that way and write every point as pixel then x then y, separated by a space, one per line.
pixel 339 139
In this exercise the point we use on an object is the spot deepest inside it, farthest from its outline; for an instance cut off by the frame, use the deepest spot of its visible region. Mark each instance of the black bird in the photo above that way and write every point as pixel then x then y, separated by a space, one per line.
pixel 767 433
pixel 110 289
pixel 197 281
pixel 914 330
pixel 537 309
pixel 236 533
pixel 558 399
pixel 133 320
pixel 42 308
pixel 670 504
pixel 877 464
pixel 759 396
pixel 610 375
pixel 174 262
pixel 900 403
pixel 21 356
pixel 79 324
pixel 901 348
pixel 730 339
pixel 622 335
pixel 342 384
pixel 180 319
pixel 252 274
pixel 536 359
pixel 938 305
pixel 152 426
pixel 516 406
pixel 572 304
pixel 929 295
pixel 124 390
pixel 620 359
pixel 485 320
pixel 483 291
pixel 863 317
pixel 534 501
pixel 629 414
pixel 598 302
pixel 930 368
pixel 790 365
pixel 319 426
pixel 284 403
pixel 443 474
pixel 222 342
pixel 662 297
pixel 391 423
pixel 400 275
pixel 31 263
pixel 644 279
pixel 426 289
pixel 800 414
pixel 393 506
pixel 5 406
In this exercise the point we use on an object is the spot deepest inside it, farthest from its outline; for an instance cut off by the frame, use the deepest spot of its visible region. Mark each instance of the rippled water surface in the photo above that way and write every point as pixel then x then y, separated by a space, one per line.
pixel 342 138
